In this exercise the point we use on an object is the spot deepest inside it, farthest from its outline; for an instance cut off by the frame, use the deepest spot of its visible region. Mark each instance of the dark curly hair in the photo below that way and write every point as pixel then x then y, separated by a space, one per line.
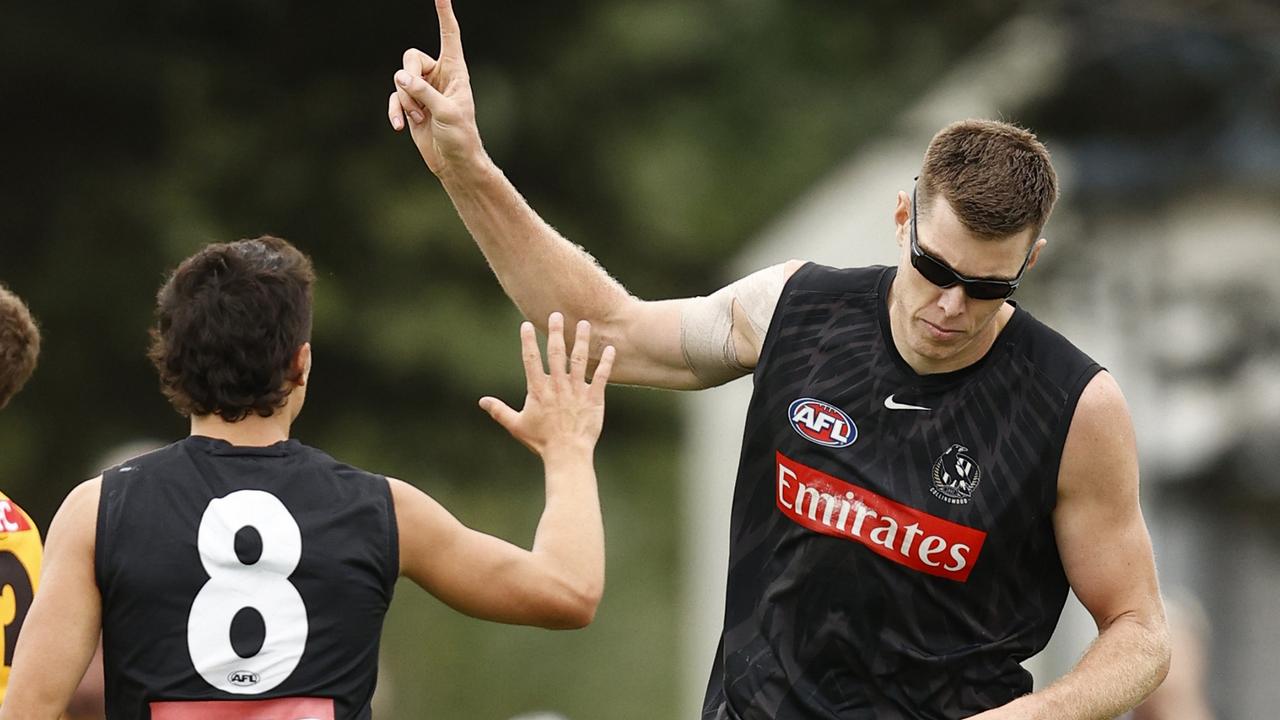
pixel 228 323
pixel 19 345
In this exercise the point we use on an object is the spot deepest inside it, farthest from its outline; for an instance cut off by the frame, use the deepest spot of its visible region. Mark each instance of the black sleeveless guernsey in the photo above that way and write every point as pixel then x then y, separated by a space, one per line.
pixel 242 582
pixel 892 551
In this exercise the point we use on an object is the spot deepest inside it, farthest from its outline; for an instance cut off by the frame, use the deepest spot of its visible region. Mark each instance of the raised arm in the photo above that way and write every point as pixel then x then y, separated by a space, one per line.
pixel 1106 552
pixel 62 627
pixel 558 583
pixel 660 343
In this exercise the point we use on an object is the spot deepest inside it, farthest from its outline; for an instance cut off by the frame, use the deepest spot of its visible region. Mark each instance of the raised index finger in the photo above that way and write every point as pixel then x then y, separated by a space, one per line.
pixel 450 35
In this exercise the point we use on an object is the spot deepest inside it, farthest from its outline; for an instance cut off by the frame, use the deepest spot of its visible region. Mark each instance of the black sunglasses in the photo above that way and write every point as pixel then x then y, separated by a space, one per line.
pixel 941 274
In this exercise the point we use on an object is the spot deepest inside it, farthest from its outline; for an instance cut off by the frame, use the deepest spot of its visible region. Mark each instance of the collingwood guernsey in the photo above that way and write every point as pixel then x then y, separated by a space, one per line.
pixel 892 548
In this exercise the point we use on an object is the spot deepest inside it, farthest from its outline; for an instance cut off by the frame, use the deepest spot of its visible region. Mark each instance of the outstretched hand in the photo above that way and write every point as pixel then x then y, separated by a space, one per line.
pixel 433 99
pixel 562 409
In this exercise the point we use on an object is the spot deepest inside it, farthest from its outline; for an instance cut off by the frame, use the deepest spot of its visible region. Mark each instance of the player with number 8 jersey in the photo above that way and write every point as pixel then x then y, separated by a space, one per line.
pixel 239 573
pixel 254 559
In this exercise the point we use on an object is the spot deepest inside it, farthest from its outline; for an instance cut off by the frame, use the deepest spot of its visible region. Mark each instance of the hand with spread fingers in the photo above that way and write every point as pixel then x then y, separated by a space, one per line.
pixel 433 99
pixel 563 411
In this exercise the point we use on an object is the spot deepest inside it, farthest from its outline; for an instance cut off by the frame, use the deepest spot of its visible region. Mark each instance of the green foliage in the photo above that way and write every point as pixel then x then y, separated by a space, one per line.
pixel 660 135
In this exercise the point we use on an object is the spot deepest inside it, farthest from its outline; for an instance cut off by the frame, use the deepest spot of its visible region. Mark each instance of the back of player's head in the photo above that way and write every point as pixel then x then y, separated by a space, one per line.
pixel 19 345
pixel 997 177
pixel 229 321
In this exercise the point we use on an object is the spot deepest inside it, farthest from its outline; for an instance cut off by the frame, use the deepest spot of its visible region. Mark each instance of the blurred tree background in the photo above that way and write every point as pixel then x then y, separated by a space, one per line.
pixel 659 134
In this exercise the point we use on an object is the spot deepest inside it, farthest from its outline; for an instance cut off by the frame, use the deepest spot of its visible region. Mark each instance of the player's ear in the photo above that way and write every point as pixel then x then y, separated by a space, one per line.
pixel 902 216
pixel 300 366
pixel 1035 252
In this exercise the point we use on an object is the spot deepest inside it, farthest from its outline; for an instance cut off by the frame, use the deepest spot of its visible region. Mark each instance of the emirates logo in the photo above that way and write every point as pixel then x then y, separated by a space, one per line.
pixel 906 535
pixel 955 475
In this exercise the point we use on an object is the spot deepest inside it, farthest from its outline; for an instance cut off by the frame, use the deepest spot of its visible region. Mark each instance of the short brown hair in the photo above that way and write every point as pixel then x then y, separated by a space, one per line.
pixel 19 345
pixel 228 323
pixel 997 177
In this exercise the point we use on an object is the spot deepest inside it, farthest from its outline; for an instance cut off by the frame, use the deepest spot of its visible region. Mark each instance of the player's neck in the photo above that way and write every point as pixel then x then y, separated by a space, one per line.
pixel 252 431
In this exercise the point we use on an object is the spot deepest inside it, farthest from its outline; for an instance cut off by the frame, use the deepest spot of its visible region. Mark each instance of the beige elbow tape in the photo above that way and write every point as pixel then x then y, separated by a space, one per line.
pixel 706 323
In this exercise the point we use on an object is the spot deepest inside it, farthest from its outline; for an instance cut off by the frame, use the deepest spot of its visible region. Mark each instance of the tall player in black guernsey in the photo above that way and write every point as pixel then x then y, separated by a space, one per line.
pixel 925 467
pixel 238 573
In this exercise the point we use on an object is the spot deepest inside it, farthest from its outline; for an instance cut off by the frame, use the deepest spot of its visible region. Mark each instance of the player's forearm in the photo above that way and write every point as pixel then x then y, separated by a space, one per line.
pixel 539 269
pixel 58 639
pixel 570 536
pixel 1126 663
pixel 28 708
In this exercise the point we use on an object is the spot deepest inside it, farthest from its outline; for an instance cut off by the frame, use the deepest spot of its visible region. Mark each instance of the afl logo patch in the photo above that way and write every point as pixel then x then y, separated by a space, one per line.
pixel 243 678
pixel 822 423
pixel 955 475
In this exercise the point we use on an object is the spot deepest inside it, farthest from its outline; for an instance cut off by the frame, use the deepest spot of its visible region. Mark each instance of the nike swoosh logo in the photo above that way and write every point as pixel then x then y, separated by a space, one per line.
pixel 890 404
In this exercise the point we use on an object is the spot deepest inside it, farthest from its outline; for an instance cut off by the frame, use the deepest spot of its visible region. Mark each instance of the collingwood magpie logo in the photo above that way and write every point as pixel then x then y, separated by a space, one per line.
pixel 955 475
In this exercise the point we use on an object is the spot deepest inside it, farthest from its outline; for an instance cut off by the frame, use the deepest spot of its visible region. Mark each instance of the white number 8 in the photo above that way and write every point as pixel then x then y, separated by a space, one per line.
pixel 233 586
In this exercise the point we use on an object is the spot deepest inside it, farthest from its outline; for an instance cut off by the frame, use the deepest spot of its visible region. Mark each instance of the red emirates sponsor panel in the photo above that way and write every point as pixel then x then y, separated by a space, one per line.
pixel 277 709
pixel 903 534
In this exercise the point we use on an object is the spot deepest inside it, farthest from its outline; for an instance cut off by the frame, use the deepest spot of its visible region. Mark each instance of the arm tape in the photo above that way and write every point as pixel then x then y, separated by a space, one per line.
pixel 706 323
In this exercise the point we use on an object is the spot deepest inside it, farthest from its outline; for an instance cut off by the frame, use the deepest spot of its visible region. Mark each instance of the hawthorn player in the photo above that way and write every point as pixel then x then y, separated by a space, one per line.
pixel 20 551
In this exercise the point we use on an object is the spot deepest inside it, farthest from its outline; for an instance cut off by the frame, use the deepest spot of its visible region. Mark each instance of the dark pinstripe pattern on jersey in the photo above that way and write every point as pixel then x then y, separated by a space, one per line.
pixel 822 627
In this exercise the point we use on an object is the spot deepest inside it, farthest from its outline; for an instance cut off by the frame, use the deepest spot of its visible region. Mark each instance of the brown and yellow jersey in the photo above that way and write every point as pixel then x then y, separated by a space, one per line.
pixel 20 554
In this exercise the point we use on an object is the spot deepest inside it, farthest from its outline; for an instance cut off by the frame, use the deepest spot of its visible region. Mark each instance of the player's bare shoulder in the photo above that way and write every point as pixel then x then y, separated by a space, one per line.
pixel 77 517
pixel 1100 453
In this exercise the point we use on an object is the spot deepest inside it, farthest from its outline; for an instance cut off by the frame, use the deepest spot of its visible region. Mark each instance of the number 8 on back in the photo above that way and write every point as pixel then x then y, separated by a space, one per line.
pixel 234 586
